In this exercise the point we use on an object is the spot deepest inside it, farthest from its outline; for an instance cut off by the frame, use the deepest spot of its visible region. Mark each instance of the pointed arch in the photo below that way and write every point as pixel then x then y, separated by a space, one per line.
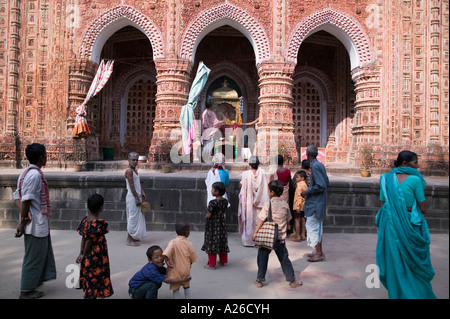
pixel 123 81
pixel 225 14
pixel 112 20
pixel 344 27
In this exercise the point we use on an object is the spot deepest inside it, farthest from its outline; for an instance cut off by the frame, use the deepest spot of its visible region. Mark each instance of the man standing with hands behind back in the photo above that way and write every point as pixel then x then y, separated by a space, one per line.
pixel 32 198
pixel 316 204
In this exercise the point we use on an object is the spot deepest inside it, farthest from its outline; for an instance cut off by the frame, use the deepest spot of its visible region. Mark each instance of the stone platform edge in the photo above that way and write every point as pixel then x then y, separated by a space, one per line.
pixel 352 203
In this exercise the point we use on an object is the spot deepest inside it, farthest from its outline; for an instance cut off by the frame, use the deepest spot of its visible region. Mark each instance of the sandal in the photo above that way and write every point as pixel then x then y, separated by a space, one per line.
pixel 315 258
pixel 259 284
pixel 295 284
pixel 209 267
pixel 31 294
pixel 133 243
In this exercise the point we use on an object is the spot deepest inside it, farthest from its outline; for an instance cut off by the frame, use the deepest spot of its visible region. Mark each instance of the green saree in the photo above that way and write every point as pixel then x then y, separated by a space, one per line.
pixel 403 247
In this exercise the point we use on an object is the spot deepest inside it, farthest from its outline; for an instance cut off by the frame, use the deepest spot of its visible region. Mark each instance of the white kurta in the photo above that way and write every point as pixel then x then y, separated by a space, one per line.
pixel 31 190
pixel 135 218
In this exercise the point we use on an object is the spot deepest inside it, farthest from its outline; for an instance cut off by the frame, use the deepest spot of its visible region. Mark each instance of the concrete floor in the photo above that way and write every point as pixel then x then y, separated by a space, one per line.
pixel 342 275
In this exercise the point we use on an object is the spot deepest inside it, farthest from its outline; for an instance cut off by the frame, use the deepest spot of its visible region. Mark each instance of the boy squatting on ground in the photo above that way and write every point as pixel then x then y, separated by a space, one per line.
pixel 146 282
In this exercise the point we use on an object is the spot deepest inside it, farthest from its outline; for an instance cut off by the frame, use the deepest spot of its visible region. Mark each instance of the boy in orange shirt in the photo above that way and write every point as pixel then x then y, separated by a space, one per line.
pixel 180 254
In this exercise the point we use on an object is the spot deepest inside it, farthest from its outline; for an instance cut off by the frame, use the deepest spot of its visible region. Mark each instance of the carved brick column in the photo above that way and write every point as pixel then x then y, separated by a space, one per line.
pixel 173 84
pixel 366 128
pixel 275 128
pixel 81 74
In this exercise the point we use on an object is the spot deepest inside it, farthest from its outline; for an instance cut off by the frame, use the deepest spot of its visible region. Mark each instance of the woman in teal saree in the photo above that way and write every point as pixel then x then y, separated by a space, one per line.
pixel 403 247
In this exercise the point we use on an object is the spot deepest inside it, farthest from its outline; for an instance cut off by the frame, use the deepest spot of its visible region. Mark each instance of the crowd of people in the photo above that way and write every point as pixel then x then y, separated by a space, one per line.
pixel 302 199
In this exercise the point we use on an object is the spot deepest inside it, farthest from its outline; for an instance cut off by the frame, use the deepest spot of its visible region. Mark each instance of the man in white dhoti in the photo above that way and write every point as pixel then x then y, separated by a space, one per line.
pixel 136 227
pixel 254 193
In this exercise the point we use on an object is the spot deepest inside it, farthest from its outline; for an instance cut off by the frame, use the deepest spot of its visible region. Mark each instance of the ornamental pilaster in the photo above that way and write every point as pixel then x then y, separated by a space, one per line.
pixel 14 64
pixel 10 149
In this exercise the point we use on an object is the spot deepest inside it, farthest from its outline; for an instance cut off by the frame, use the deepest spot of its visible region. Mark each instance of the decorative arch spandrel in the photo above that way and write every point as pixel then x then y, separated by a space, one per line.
pixel 113 20
pixel 344 27
pixel 225 14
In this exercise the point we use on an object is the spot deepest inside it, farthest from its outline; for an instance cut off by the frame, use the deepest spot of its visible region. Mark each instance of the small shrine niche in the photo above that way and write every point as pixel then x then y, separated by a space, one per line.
pixel 225 103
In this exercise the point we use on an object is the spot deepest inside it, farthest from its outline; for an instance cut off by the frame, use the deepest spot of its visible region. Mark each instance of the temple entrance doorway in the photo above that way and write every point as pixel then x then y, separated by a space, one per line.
pixel 125 108
pixel 307 113
pixel 137 114
pixel 324 96
pixel 232 83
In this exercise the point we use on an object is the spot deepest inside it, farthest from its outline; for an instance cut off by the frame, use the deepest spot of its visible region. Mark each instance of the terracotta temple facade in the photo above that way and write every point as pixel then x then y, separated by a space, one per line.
pixel 336 74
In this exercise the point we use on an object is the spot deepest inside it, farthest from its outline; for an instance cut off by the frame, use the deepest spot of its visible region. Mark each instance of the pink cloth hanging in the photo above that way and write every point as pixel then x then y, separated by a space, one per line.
pixel 81 128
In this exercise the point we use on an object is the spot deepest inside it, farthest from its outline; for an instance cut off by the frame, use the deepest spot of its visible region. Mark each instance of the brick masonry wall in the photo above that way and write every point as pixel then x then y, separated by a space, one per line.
pixel 352 206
